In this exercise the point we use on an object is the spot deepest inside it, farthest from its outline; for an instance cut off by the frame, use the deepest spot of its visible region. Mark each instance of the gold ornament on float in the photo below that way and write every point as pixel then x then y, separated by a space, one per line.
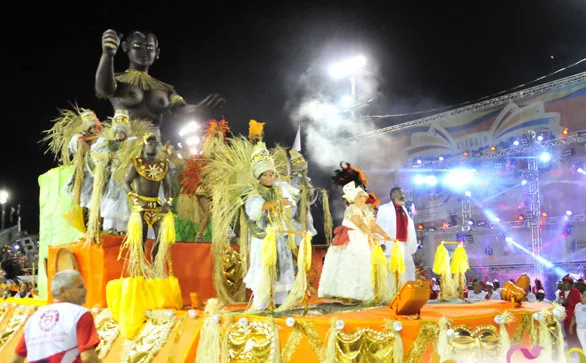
pixel 252 342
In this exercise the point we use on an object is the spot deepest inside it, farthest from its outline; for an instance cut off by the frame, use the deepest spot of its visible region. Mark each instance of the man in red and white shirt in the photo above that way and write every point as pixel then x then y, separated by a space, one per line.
pixel 63 332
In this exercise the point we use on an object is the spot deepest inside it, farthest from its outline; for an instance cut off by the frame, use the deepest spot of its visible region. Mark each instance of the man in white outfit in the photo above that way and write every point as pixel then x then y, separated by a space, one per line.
pixel 393 218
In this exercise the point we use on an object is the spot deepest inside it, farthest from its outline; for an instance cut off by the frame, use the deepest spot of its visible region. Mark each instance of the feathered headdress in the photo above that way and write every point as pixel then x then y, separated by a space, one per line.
pixel 255 130
pixel 372 200
pixel 68 123
pixel 12 269
pixel 348 173
pixel 216 131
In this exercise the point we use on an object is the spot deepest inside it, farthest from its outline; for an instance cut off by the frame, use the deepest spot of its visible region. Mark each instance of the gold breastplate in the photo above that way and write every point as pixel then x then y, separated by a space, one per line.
pixel 155 171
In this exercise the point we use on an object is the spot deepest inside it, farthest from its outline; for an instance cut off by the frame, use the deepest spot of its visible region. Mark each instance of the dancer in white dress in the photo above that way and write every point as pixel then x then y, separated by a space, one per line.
pixel 347 270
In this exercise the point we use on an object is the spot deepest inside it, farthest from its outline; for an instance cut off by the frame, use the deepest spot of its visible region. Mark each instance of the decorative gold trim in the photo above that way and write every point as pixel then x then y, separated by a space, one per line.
pixel 151 339
pixel 303 328
pixel 108 331
pixel 18 318
pixel 428 332
pixel 178 331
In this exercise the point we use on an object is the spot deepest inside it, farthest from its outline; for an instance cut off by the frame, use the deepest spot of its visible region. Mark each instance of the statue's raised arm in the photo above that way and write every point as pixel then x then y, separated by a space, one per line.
pixel 134 90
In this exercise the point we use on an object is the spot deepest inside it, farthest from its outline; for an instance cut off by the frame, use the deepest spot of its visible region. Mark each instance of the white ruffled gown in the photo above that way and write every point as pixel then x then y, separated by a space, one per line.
pixel 347 270
pixel 253 278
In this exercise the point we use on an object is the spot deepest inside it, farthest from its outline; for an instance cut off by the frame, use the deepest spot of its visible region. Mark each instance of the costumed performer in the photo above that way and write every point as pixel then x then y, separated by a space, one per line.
pixel 147 173
pixel 303 220
pixel 348 267
pixel 145 286
pixel 268 206
pixel 398 224
pixel 134 90
pixel 70 140
pixel 109 200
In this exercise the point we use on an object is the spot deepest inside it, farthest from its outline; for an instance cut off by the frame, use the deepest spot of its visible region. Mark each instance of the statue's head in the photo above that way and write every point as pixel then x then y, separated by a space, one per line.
pixel 142 48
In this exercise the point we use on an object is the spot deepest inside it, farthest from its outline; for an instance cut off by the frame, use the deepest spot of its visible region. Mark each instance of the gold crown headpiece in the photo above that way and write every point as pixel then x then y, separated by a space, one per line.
pixel 121 121
pixel 261 160
pixel 89 119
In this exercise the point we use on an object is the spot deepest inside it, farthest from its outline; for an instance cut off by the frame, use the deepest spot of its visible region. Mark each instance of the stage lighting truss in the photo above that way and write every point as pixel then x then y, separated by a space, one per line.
pixel 558 220
pixel 488 104
pixel 546 145
pixel 497 269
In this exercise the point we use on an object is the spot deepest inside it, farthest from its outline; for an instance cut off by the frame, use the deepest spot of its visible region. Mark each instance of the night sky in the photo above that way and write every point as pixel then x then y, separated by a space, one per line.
pixel 426 56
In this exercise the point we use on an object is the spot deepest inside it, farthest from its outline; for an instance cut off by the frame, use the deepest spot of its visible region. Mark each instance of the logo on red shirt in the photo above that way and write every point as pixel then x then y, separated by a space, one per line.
pixel 48 320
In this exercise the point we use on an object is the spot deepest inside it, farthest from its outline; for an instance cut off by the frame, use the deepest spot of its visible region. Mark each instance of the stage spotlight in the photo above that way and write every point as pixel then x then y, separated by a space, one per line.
pixel 467 193
pixel 418 179
pixel 419 161
pixel 497 219
pixel 481 223
pixel 565 132
pixel 420 227
pixel 523 182
pixel 568 212
pixel 544 214
pixel 521 217
pixel 445 226
pixel 516 143
pixel 471 222
pixel 458 178
pixel 493 148
pixel 545 156
pixel 466 153
pixel 441 158
pixel 509 239
pixel 430 180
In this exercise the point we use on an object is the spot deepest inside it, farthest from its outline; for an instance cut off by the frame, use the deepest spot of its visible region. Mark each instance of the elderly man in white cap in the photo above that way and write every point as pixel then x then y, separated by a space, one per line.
pixel 63 331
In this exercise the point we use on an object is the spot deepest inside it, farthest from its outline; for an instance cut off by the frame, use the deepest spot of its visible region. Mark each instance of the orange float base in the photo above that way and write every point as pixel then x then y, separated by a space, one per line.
pixel 471 315
pixel 192 265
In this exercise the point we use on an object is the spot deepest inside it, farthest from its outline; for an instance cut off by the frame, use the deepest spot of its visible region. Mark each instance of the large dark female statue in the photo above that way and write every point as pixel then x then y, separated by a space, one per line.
pixel 135 90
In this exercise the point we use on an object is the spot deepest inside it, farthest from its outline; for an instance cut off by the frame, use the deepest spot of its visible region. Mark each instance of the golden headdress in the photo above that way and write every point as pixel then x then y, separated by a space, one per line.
pixel 298 163
pixel 66 125
pixel 90 119
pixel 261 160
pixel 121 122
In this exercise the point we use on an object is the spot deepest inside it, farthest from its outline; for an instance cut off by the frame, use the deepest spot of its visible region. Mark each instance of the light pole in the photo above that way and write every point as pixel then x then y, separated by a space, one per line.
pixel 349 68
pixel 3 200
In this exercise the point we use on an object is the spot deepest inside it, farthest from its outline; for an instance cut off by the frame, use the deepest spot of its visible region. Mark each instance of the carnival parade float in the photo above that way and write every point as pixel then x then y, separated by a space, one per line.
pixel 208 257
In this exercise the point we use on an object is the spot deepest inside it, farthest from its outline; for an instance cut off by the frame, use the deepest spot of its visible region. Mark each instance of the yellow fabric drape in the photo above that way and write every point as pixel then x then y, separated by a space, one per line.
pixel 397 264
pixel 128 299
